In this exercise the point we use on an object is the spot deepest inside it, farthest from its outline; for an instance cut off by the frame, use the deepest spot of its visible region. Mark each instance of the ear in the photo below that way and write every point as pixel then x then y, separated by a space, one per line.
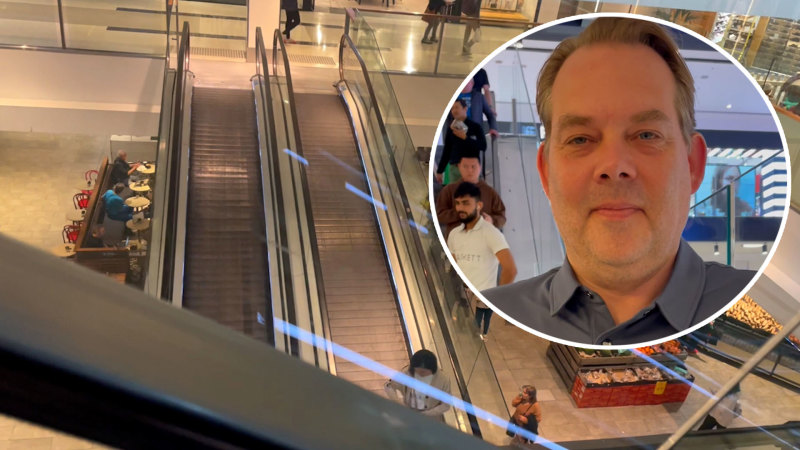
pixel 541 164
pixel 697 160
pixel 479 204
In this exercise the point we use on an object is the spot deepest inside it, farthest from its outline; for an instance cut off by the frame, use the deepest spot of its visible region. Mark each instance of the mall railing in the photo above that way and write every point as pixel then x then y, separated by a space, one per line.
pixel 719 219
pixel 173 220
pixel 144 374
pixel 134 28
pixel 790 325
pixel 396 179
pixel 443 59
pixel 159 206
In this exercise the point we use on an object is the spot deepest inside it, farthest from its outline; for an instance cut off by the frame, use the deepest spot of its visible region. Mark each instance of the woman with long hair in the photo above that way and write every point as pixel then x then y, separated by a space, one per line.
pixel 528 414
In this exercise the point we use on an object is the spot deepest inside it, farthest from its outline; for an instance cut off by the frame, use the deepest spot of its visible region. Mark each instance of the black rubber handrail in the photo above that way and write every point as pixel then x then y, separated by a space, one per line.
pixel 277 43
pixel 441 317
pixel 287 288
pixel 171 218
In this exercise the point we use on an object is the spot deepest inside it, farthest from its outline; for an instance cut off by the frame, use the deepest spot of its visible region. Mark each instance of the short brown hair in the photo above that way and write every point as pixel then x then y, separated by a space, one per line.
pixel 621 30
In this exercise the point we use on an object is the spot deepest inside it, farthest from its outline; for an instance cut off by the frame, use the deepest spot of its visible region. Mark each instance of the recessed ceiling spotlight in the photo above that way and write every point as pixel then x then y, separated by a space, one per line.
pixel 728 106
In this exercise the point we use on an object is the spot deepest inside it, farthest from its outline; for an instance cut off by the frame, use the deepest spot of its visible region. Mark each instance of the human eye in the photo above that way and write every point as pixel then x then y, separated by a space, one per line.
pixel 647 135
pixel 577 140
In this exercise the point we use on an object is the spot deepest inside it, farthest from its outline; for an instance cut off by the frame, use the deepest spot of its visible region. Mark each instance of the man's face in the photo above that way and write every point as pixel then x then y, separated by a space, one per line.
pixel 459 112
pixel 467 208
pixel 617 169
pixel 470 169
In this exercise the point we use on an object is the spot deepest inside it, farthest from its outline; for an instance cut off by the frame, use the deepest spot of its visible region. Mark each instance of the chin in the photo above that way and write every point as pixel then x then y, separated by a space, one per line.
pixel 620 251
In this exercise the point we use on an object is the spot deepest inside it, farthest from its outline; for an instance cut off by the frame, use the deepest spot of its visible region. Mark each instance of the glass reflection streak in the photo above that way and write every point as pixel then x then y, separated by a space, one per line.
pixel 363 361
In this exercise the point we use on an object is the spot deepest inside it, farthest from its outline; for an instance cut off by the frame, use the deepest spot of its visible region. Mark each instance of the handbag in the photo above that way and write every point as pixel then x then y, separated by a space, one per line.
pixel 526 426
pixel 429 19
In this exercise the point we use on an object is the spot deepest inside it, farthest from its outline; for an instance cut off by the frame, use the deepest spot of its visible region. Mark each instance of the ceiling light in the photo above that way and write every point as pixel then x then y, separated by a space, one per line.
pixel 728 106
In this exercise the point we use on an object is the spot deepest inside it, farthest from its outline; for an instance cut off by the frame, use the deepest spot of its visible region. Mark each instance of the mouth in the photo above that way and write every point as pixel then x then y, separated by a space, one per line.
pixel 616 210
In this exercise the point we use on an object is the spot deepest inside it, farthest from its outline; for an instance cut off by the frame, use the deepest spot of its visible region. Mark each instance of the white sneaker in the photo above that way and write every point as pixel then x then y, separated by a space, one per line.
pixel 483 337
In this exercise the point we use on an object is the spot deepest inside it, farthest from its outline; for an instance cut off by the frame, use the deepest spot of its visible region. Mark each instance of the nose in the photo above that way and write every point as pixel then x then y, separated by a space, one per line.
pixel 615 161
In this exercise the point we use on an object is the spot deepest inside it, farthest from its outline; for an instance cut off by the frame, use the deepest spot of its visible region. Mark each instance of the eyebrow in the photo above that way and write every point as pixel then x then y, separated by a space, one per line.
pixel 569 120
pixel 653 115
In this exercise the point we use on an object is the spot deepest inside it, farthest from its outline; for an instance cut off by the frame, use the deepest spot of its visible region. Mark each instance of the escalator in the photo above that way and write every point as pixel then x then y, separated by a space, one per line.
pixel 363 313
pixel 226 277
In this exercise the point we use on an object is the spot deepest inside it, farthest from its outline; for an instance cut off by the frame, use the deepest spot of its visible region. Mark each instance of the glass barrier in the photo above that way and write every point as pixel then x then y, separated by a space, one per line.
pixel 736 335
pixel 708 229
pixel 727 228
pixel 421 254
pixel 34 24
pixel 446 56
pixel 137 27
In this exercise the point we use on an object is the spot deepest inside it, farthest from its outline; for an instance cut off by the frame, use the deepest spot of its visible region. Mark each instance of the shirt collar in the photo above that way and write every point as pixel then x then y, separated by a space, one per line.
pixel 678 302
pixel 562 288
pixel 463 228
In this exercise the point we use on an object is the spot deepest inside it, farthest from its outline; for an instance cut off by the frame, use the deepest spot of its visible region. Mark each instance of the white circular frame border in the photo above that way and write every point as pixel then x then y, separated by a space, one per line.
pixel 682 29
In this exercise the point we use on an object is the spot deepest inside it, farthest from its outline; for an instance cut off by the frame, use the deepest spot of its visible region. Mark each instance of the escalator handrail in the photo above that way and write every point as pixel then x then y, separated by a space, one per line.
pixel 287 288
pixel 171 219
pixel 441 317
pixel 157 251
pixel 276 42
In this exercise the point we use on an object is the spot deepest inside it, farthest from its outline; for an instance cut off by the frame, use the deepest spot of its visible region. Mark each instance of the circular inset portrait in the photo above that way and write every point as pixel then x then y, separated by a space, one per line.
pixel 621 183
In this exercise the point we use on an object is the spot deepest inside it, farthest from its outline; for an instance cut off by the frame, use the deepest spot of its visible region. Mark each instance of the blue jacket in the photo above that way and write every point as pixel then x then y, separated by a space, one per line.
pixel 116 207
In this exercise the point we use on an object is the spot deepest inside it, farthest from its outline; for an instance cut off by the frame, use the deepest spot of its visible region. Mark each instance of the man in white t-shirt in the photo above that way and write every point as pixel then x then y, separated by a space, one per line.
pixel 479 248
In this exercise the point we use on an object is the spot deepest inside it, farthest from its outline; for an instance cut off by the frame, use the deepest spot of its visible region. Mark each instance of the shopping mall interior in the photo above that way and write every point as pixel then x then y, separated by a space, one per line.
pixel 278 256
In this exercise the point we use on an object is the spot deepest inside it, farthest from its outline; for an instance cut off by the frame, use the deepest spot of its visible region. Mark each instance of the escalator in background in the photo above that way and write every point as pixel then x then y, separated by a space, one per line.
pixel 362 309
pixel 226 277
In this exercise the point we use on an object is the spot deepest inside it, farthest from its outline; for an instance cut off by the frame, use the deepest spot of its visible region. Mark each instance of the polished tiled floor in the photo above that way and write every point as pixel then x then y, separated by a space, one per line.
pixel 519 358
pixel 39 174
pixel 38 177
pixel 18 435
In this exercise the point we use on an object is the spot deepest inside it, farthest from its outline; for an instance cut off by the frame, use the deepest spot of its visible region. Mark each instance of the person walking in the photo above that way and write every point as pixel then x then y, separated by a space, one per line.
pixel 479 249
pixel 434 7
pixel 292 17
pixel 471 9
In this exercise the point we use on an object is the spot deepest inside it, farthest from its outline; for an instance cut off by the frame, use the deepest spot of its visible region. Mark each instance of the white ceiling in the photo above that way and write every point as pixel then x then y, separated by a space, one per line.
pixel 725 97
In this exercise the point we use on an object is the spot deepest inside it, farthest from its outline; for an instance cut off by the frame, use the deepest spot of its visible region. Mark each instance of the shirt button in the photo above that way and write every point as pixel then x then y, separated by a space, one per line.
pixel 588 294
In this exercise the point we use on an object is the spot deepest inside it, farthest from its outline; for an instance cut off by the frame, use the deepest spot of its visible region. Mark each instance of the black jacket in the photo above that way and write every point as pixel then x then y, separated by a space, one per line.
pixel 454 146
pixel 119 171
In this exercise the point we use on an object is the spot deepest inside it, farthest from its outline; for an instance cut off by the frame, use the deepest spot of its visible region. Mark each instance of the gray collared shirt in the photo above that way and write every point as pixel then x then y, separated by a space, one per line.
pixel 555 304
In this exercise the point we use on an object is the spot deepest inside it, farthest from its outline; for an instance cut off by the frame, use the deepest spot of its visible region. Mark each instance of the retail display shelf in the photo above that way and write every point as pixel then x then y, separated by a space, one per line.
pixel 620 380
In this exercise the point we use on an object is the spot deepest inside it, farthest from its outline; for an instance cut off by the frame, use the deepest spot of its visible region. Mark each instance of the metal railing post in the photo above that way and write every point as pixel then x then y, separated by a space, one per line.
pixel 61 25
